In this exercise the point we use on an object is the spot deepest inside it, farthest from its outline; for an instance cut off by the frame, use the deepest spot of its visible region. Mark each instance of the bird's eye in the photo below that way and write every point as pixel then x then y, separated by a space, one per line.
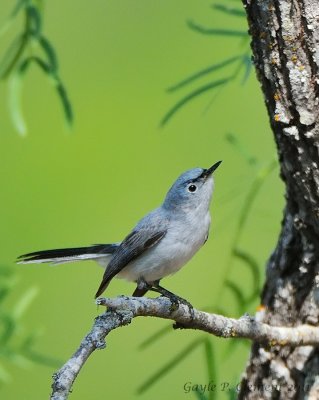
pixel 192 188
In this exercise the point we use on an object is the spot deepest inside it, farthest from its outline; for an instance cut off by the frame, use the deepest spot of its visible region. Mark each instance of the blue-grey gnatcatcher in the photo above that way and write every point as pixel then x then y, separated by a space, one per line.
pixel 159 245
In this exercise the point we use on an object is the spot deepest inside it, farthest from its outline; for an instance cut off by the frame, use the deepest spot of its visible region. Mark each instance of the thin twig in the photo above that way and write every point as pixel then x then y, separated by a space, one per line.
pixel 121 311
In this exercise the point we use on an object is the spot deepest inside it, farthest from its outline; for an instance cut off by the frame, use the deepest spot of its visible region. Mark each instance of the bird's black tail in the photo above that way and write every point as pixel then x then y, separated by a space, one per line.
pixel 58 256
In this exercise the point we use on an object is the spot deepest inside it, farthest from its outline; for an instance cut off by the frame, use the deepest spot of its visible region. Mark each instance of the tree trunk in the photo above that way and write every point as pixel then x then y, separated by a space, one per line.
pixel 285 45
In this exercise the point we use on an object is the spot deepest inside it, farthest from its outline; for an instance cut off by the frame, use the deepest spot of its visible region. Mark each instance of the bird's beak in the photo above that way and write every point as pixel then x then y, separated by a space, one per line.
pixel 207 172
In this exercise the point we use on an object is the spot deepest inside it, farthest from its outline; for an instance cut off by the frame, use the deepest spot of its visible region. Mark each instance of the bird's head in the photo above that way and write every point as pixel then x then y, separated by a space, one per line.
pixel 191 190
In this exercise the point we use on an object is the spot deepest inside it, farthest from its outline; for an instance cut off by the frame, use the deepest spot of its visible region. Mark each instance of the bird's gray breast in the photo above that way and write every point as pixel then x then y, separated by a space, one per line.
pixel 184 237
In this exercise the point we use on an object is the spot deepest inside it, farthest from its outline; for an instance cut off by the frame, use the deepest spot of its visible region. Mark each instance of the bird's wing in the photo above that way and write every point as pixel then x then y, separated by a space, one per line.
pixel 132 246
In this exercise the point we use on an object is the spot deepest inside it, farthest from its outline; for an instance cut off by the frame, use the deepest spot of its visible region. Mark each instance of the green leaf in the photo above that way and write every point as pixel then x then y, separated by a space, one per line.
pixel 204 72
pixel 262 175
pixel 248 67
pixel 231 394
pixel 61 91
pixel 15 357
pixel 6 26
pixel 19 5
pixel 13 58
pixel 169 366
pixel 5 271
pixel 66 104
pixel 234 140
pixel 33 21
pixel 42 64
pixel 215 31
pixel 42 359
pixel 57 83
pixel 191 96
pixel 8 326
pixel 156 336
pixel 232 346
pixel 200 395
pixel 49 52
pixel 24 302
pixel 238 294
pixel 13 55
pixel 28 351
pixel 237 12
pixel 252 264
pixel 245 211
pixel 15 91
pixel 211 367
pixel 5 290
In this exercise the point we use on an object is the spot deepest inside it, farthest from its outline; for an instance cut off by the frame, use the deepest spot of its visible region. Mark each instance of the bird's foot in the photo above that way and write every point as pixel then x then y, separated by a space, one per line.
pixel 176 301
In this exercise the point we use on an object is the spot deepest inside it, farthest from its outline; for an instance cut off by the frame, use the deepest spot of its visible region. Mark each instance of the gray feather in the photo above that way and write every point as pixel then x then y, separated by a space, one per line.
pixel 145 235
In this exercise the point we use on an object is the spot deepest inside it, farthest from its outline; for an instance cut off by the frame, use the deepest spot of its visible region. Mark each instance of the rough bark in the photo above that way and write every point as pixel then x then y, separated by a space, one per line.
pixel 285 45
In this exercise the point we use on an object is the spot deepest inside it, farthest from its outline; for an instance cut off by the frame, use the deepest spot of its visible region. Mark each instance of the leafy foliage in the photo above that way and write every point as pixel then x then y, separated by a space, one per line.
pixel 215 31
pixel 20 352
pixel 30 47
pixel 240 62
pixel 179 357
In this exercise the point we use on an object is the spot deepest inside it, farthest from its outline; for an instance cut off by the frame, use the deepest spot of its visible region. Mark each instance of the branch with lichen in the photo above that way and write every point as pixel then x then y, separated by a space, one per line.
pixel 121 311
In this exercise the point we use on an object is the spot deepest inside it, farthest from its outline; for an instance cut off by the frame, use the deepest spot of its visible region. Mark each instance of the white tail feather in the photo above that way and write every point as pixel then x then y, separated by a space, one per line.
pixel 101 259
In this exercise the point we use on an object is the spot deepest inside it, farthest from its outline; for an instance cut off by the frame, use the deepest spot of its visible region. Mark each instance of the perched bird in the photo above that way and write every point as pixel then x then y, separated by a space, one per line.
pixel 159 245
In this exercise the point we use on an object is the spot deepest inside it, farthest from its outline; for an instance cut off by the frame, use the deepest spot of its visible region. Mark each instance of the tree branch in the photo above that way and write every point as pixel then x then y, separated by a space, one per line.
pixel 121 311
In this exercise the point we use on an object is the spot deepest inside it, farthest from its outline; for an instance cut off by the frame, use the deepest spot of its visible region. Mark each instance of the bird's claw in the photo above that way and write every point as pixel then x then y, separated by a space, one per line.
pixel 175 303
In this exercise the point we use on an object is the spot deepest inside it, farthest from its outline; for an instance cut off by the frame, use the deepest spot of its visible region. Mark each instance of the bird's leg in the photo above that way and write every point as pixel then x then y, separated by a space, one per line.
pixel 142 288
pixel 175 300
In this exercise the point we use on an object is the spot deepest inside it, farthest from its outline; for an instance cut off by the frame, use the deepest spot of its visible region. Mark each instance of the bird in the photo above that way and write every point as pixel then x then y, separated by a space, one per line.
pixel 161 243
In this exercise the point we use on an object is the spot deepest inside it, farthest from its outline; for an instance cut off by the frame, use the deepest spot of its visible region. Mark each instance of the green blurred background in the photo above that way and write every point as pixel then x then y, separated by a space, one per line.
pixel 92 184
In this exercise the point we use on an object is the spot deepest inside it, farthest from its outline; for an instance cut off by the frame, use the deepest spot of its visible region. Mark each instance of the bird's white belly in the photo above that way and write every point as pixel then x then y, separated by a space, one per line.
pixel 170 254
